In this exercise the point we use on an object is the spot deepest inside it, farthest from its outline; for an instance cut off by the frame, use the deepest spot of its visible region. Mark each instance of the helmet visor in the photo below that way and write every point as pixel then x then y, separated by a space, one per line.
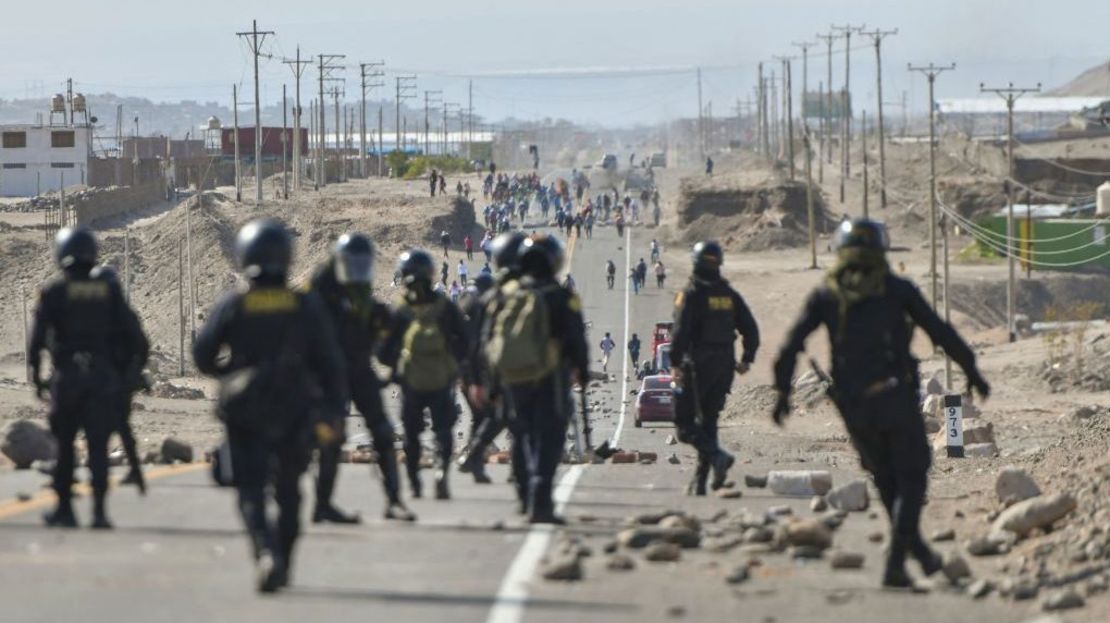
pixel 354 268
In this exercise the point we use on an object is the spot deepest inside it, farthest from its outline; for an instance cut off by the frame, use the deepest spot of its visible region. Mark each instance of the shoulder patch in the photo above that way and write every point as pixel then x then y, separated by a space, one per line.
pixel 574 303
pixel 270 301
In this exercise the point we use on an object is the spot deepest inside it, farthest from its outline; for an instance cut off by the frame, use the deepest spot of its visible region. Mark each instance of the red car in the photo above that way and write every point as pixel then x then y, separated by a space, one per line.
pixel 655 400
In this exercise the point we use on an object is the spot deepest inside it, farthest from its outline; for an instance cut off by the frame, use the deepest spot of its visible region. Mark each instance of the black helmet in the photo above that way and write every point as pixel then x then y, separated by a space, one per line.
pixel 542 256
pixel 505 250
pixel 483 282
pixel 416 265
pixel 264 248
pixel 354 259
pixel 707 257
pixel 861 233
pixel 75 246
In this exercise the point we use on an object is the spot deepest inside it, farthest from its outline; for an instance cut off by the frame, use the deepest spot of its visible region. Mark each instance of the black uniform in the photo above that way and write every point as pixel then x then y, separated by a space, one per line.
pixel 540 411
pixel 875 379
pixel 360 325
pixel 81 319
pixel 131 352
pixel 708 316
pixel 283 354
pixel 439 401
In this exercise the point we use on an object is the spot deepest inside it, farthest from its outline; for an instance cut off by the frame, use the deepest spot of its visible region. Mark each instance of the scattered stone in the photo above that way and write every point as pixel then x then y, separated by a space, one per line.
pixel 799 482
pixel 1015 485
pixel 1039 512
pixel 780 510
pixel 947 534
pixel 622 458
pixel 729 494
pixel 662 552
pixel 652 518
pixel 932 425
pixel 23 496
pixel 1081 414
pixel 610 546
pixel 1096 585
pixel 806 552
pixel 1019 588
pixel 1063 600
pixel 876 537
pixel 806 531
pixel 670 440
pixel 955 567
pixel 176 451
pixel 676 611
pixel 25 442
pixel 169 390
pixel 755 481
pixel 673 459
pixel 989 545
pixel 620 562
pixel 739 574
pixel 680 520
pixel 758 534
pixel 565 568
pixel 818 504
pixel 833 520
pixel 980 589
pixel 931 406
pixel 933 387
pixel 981 450
pixel 850 497
pixel 846 560
pixel 646 458
pixel 637 538
pixel 721 544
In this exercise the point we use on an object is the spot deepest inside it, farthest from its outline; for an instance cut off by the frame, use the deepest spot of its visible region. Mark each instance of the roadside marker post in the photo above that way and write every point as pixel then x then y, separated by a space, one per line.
pixel 954 425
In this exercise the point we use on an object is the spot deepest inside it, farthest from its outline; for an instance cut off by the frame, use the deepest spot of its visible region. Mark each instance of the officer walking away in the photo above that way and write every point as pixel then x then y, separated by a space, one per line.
pixel 131 352
pixel 473 309
pixel 537 346
pixel 79 318
pixel 708 315
pixel 483 388
pixel 870 315
pixel 426 347
pixel 275 353
pixel 344 285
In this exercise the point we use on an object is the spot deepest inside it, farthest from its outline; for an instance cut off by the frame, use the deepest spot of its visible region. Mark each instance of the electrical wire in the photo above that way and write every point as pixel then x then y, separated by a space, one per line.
pixel 990 238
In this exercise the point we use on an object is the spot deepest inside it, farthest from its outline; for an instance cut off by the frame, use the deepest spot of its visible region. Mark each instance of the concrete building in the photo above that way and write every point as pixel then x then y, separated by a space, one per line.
pixel 35 159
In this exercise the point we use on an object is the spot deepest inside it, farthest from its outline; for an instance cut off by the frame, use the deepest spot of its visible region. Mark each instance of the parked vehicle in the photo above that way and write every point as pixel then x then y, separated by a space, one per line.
pixel 655 400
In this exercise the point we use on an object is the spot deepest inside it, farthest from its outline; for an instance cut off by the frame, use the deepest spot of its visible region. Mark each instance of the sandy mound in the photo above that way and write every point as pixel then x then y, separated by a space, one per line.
pixel 747 218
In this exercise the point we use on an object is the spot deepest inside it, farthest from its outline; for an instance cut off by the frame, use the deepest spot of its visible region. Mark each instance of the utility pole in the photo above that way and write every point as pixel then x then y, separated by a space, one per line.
pixel 805 46
pixel 877 36
pixel 821 134
pixel 1010 94
pixel 863 137
pixel 327 64
pixel 256 38
pixel 829 38
pixel 284 141
pixel 235 140
pixel 406 89
pixel 809 198
pixel 931 72
pixel 381 137
pixel 373 71
pixel 701 120
pixel 429 96
pixel 298 66
pixel 447 106
pixel 846 108
pixel 336 93
pixel 764 148
pixel 789 118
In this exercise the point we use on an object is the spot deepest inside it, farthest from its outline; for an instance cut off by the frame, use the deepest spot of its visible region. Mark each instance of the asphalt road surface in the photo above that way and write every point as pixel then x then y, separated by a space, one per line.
pixel 180 554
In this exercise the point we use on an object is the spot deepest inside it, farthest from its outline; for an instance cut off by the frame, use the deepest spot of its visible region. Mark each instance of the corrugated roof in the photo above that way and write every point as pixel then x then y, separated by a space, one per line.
pixel 993 104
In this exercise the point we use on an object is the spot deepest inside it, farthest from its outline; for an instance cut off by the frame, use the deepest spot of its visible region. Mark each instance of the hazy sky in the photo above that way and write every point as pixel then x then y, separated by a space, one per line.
pixel 188 50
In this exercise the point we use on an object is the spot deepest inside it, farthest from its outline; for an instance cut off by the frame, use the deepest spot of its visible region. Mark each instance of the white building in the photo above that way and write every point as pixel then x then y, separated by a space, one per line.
pixel 35 159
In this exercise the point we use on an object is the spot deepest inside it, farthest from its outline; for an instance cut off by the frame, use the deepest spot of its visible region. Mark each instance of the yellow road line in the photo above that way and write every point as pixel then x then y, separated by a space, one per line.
pixel 44 499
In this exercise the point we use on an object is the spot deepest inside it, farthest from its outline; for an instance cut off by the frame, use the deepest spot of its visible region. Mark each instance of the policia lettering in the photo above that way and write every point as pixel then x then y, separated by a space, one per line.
pixel 344 285
pixel 708 316
pixel 283 362
pixel 84 321
pixel 870 315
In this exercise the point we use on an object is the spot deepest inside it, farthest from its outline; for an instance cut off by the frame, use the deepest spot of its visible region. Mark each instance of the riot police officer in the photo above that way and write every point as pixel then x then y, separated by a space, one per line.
pixel 130 352
pixel 870 315
pixel 274 351
pixel 426 347
pixel 344 285
pixel 80 318
pixel 473 310
pixel 482 387
pixel 708 315
pixel 537 365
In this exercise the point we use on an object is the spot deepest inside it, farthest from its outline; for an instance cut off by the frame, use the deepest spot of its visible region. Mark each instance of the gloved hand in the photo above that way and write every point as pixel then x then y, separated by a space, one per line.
pixel 782 409
pixel 979 384
pixel 743 367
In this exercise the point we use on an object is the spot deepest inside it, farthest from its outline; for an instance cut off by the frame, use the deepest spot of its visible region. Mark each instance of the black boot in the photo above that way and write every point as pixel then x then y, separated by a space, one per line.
pixel 894 574
pixel 442 491
pixel 929 560
pixel 61 517
pixel 722 462
pixel 270 573
pixel 328 513
pixel 397 510
pixel 135 477
pixel 100 513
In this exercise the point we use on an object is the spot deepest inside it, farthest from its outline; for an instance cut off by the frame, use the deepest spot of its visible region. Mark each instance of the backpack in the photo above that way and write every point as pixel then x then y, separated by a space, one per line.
pixel 520 345
pixel 426 363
